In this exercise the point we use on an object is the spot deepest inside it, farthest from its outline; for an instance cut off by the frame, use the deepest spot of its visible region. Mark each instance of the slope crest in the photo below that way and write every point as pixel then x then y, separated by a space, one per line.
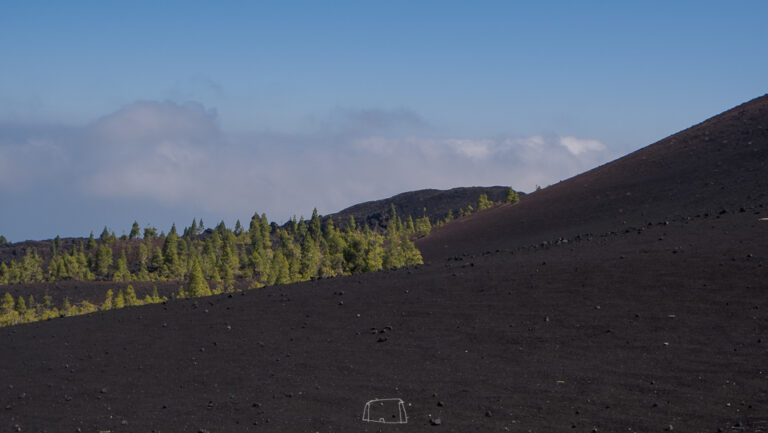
pixel 715 166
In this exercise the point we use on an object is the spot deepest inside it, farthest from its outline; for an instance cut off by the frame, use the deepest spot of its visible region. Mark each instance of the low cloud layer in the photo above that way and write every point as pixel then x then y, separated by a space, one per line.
pixel 175 156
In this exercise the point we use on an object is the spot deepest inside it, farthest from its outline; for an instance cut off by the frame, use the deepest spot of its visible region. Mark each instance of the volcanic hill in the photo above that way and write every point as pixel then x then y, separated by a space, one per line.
pixel 436 203
pixel 630 298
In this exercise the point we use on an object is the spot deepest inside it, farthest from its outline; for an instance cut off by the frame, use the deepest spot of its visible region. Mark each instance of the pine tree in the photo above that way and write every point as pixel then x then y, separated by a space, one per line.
pixel 135 231
pixel 103 260
pixel 374 249
pixel 354 251
pixel 257 264
pixel 66 308
pixel 292 253
pixel 171 264
pixel 279 272
pixel 512 196
pixel 108 300
pixel 129 297
pixel 254 234
pixel 231 240
pixel 449 217
pixel 411 254
pixel 182 266
pixel 310 259
pixel 393 252
pixel 394 220
pixel 56 246
pixel 85 308
pixel 483 202
pixel 91 242
pixel 150 233
pixel 104 235
pixel 119 301
pixel 8 303
pixel 258 256
pixel 21 306
pixel 423 226
pixel 209 265
pixel 221 228
pixel 13 274
pixel 363 251
pixel 3 273
pixel 315 229
pixel 8 313
pixel 335 249
pixel 157 260
pixel 226 263
pixel 55 269
pixel 265 232
pixel 121 272
pixel 215 242
pixel 142 258
pixel 80 265
pixel 214 274
pixel 410 227
pixel 242 260
pixel 302 229
pixel 196 284
pixel 31 270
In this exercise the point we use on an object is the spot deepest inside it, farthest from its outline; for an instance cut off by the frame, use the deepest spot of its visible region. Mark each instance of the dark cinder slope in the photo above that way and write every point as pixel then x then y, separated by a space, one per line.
pixel 656 324
pixel 718 165
pixel 437 203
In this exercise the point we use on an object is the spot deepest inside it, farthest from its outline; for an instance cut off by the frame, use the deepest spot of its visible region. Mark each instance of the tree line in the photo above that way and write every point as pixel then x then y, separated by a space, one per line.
pixel 263 253
pixel 210 261
pixel 21 310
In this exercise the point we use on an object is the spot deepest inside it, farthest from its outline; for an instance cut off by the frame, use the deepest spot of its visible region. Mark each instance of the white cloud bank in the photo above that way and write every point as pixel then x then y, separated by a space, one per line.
pixel 175 155
pixel 578 146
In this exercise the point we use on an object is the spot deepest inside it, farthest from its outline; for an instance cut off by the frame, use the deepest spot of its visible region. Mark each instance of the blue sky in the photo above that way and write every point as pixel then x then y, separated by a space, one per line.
pixel 164 111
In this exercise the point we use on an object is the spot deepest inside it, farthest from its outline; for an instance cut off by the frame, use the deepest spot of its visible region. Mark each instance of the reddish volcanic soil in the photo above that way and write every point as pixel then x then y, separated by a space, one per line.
pixel 632 298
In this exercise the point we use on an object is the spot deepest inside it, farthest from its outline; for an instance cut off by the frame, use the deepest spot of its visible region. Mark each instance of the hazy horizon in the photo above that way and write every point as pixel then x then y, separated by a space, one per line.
pixel 112 113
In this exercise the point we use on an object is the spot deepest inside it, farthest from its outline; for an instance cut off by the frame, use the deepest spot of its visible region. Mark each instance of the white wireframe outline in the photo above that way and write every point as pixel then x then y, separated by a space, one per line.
pixel 402 415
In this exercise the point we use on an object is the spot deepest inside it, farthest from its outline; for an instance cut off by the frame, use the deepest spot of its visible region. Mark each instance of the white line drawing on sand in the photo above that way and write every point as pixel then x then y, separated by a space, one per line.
pixel 386 411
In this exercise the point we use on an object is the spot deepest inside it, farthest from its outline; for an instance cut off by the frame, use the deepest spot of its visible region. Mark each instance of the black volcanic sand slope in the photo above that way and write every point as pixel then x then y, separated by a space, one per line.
pixel 717 166
pixel 657 324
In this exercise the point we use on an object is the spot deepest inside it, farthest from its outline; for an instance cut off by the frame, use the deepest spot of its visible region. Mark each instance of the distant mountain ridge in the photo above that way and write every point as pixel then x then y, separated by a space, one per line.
pixel 438 204
pixel 375 213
